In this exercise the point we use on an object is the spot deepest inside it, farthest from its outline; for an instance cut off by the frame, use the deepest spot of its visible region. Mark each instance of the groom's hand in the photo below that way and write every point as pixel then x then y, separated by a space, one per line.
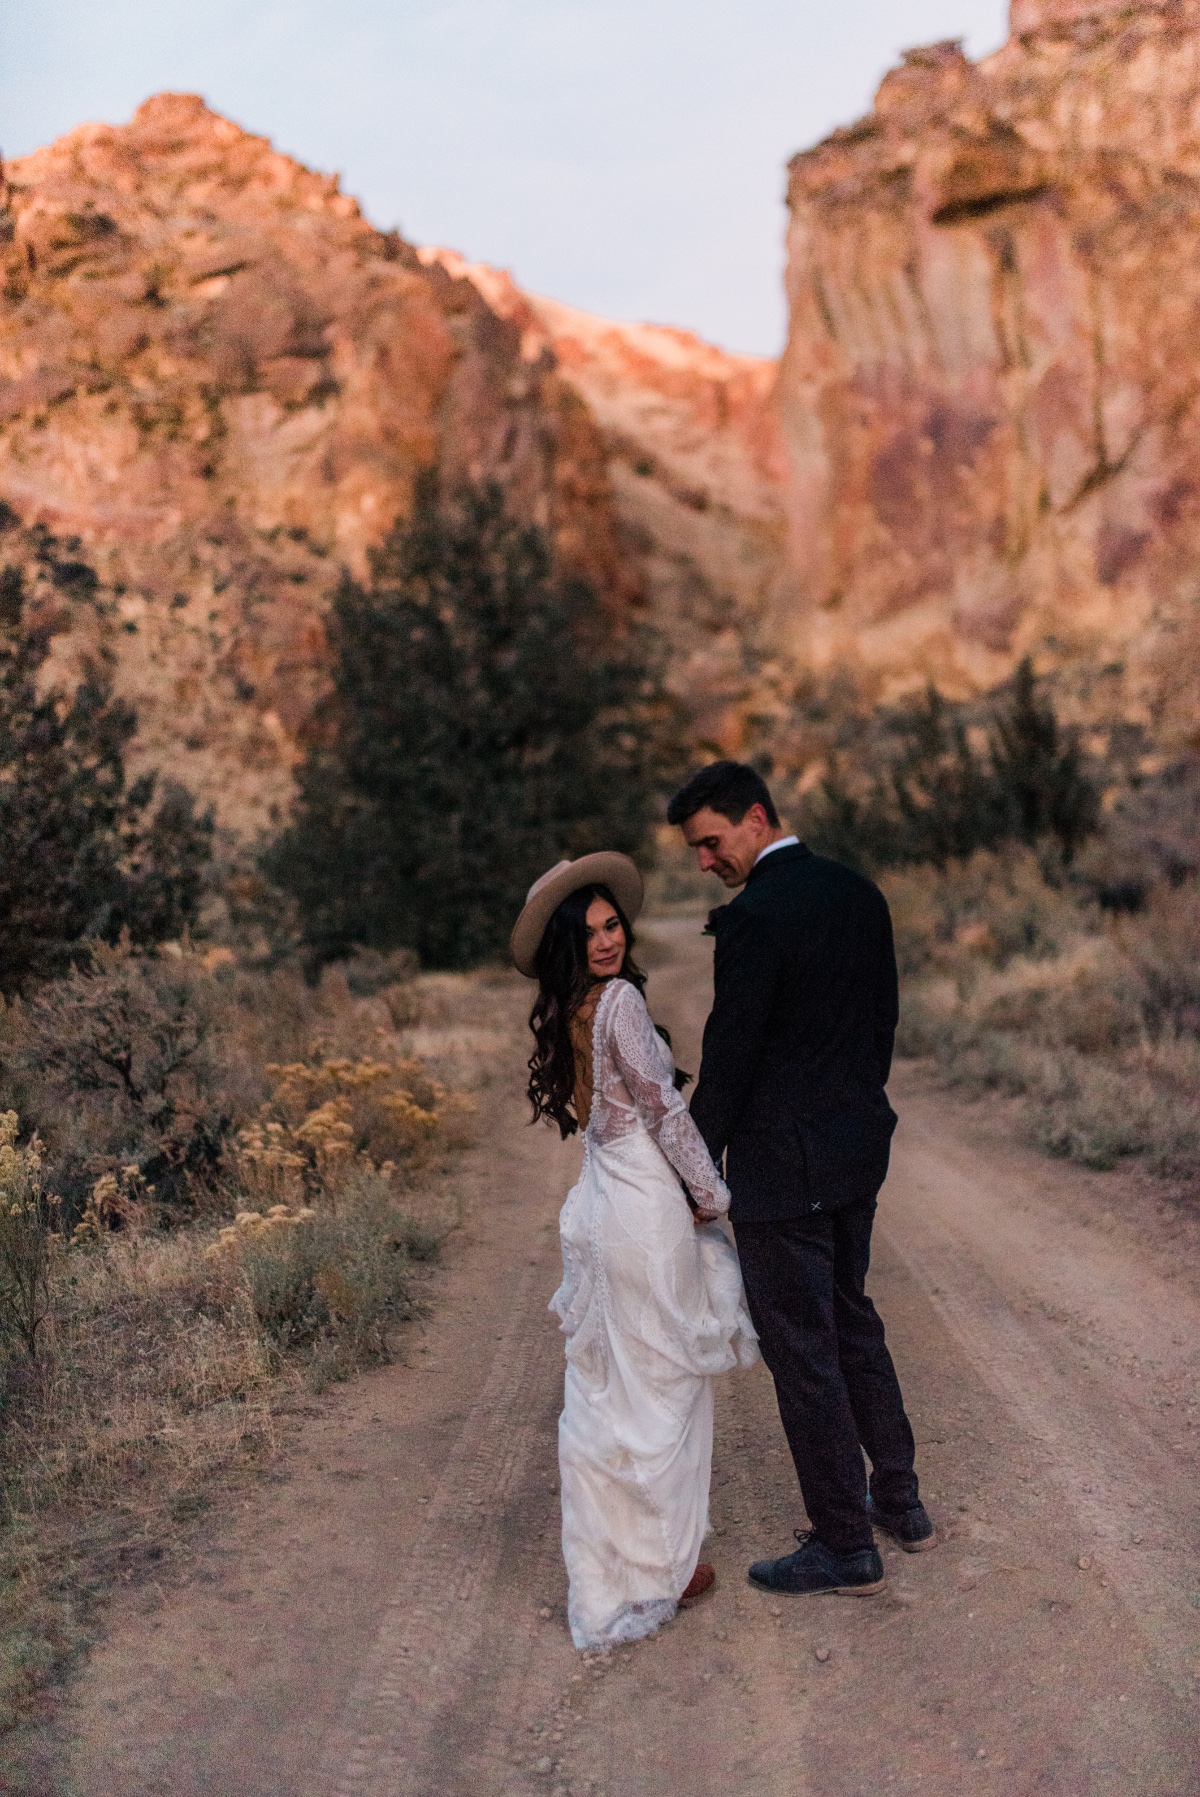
pixel 698 1216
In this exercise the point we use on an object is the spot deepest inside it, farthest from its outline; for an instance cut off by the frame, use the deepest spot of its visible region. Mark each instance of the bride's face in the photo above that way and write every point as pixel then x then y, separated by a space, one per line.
pixel 605 940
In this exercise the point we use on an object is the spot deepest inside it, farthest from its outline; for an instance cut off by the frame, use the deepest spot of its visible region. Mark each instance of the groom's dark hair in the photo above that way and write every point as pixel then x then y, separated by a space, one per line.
pixel 727 787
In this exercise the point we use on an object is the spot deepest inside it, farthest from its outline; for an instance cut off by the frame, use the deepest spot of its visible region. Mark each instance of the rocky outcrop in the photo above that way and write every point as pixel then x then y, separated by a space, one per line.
pixel 222 381
pixel 696 467
pixel 990 395
pixel 982 440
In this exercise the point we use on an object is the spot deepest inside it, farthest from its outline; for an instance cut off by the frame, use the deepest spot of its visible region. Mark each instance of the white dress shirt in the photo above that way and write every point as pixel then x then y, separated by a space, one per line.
pixel 785 842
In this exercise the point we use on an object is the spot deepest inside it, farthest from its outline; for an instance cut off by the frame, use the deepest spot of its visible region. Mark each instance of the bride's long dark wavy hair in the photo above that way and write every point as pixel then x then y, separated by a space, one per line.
pixel 564 981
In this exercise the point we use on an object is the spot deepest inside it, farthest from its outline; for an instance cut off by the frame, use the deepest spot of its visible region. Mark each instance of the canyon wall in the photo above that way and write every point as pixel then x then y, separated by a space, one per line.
pixel 990 396
pixel 224 383
pixel 982 439
pixel 696 467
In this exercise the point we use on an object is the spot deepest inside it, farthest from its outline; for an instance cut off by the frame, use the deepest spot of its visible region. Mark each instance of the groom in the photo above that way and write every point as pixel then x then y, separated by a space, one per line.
pixel 791 1090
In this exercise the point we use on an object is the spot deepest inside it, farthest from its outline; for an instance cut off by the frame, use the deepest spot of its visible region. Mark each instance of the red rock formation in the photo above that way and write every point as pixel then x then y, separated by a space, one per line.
pixel 696 467
pixel 982 439
pixel 990 395
pixel 225 383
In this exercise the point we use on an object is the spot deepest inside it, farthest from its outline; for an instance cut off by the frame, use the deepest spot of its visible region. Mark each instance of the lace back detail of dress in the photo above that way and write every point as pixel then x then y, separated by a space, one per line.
pixel 633 1075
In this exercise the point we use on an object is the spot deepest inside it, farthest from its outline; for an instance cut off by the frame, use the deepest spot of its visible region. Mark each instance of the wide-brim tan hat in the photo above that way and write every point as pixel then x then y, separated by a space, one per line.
pixel 608 868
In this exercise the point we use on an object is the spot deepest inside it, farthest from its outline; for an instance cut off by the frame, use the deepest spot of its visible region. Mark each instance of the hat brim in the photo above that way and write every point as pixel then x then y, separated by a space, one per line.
pixel 607 868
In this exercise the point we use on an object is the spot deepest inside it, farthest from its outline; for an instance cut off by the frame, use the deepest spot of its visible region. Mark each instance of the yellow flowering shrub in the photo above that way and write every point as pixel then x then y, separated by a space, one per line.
pixel 320 1239
pixel 268 1166
pixel 390 1111
pixel 28 1215
pixel 116 1200
pixel 254 1225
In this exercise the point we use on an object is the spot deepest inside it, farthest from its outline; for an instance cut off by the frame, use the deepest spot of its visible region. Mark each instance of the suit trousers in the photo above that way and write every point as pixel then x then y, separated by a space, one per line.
pixel 837 1389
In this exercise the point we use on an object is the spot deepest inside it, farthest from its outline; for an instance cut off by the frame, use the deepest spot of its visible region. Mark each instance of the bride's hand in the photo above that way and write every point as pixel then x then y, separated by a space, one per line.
pixel 704 1216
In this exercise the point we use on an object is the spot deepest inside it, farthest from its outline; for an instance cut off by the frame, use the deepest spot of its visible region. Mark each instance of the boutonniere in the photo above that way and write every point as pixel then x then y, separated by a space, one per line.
pixel 714 918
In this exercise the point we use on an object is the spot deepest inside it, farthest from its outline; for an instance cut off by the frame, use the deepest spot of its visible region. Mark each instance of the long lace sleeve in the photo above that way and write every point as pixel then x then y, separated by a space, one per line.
pixel 642 1060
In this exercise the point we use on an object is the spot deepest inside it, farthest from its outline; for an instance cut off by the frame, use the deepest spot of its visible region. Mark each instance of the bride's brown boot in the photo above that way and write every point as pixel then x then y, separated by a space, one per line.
pixel 702 1581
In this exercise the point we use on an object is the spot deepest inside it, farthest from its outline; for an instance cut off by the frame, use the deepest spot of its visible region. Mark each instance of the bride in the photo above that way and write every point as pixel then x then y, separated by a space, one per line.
pixel 651 1301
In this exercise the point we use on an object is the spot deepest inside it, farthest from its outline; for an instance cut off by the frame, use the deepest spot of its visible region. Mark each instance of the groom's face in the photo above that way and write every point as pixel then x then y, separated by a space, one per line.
pixel 725 848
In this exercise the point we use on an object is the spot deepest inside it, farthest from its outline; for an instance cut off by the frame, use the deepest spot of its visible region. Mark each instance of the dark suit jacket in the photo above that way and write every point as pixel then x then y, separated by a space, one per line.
pixel 798 1047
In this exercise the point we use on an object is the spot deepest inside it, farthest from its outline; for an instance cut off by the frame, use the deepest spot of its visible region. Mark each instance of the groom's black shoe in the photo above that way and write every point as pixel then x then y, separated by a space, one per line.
pixel 911 1528
pixel 814 1568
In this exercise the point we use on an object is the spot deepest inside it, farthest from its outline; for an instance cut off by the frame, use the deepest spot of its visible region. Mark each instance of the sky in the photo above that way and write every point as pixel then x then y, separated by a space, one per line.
pixel 626 156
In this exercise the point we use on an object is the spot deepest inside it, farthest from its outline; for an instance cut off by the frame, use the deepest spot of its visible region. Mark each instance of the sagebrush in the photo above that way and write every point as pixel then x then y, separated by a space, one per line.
pixel 1018 984
pixel 149 1329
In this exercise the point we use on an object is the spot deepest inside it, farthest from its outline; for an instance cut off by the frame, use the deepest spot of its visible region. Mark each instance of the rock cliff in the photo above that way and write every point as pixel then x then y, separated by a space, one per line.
pixel 696 466
pixel 221 380
pixel 982 439
pixel 990 395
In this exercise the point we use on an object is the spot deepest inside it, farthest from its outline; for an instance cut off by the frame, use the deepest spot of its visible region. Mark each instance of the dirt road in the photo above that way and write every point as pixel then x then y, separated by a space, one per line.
pixel 388 1617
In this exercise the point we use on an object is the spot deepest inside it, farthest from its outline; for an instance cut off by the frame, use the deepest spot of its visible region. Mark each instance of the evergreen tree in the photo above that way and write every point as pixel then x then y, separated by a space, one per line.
pixel 82 852
pixel 939 797
pixel 487 718
pixel 945 794
pixel 1039 772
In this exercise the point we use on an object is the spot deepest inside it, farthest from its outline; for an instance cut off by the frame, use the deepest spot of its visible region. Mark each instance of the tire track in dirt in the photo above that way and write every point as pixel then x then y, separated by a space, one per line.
pixel 1040 1308
pixel 404 1724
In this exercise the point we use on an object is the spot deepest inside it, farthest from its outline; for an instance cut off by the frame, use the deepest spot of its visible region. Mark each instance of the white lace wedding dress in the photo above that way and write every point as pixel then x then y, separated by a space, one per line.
pixel 652 1308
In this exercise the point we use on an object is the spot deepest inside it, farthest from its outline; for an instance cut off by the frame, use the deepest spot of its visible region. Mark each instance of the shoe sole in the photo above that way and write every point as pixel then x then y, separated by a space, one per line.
pixel 826 1590
pixel 909 1547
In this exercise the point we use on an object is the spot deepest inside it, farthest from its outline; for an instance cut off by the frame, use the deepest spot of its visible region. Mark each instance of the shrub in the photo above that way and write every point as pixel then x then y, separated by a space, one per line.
pixel 487 718
pixel 1151 836
pixel 28 1215
pixel 83 853
pixel 328 1278
pixel 322 1240
pixel 1163 943
pixel 1014 987
pixel 1098 1113
pixel 984 910
pixel 943 793
pixel 164 1352
pixel 150 1069
pixel 122 1064
pixel 386 1110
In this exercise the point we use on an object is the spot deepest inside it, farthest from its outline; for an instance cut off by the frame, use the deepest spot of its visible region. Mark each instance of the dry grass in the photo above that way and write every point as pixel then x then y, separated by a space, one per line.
pixel 175 1327
pixel 1014 985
